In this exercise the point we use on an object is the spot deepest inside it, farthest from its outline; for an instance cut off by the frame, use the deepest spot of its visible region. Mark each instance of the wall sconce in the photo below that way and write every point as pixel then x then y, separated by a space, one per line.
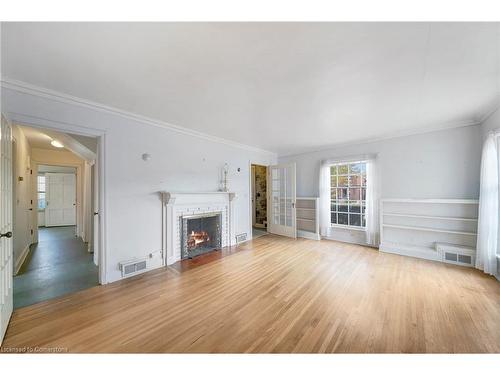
pixel 146 157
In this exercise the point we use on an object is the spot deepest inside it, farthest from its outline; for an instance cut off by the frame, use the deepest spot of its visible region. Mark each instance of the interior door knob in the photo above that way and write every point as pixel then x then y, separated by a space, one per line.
pixel 6 234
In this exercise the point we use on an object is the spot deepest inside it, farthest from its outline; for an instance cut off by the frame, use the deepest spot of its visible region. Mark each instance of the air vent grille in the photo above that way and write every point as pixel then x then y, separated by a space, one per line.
pixel 241 237
pixel 456 254
pixel 465 259
pixel 450 256
pixel 132 267
pixel 140 266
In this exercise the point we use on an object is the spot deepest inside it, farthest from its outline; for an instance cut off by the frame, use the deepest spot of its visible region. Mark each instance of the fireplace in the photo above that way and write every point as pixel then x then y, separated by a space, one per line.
pixel 180 206
pixel 200 234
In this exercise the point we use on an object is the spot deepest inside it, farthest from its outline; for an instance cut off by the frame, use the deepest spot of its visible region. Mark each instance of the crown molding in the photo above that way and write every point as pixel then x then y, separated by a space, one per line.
pixel 42 92
pixel 398 134
pixel 495 106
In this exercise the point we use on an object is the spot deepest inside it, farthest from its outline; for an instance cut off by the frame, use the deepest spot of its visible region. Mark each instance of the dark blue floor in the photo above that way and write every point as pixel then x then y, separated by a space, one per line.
pixel 57 265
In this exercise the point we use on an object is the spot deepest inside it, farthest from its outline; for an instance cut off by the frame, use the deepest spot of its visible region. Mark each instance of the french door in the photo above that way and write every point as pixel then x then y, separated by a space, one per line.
pixel 281 200
pixel 6 265
pixel 60 199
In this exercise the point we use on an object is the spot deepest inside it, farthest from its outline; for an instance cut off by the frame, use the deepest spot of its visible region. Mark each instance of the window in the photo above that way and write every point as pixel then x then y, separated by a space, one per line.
pixel 41 192
pixel 348 194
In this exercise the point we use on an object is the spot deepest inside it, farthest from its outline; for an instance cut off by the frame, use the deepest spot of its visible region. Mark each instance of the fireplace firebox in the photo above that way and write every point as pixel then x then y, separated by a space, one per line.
pixel 201 234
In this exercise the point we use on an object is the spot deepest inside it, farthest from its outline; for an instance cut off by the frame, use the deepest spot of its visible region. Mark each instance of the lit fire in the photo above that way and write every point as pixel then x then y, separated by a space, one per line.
pixel 197 239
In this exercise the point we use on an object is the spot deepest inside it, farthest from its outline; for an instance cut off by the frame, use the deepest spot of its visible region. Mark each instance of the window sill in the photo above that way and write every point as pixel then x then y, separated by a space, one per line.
pixel 338 226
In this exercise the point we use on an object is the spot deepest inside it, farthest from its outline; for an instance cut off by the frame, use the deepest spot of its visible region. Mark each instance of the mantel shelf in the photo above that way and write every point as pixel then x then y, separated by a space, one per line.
pixel 170 197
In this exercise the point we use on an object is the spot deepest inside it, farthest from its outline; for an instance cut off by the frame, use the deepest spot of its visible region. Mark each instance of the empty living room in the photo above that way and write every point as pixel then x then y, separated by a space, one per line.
pixel 263 184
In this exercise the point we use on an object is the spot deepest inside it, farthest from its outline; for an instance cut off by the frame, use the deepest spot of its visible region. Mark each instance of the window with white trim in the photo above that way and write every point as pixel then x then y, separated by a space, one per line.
pixel 41 192
pixel 348 194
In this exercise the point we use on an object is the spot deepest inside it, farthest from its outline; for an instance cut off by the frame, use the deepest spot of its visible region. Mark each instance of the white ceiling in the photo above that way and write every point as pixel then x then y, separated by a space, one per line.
pixel 284 87
pixel 37 139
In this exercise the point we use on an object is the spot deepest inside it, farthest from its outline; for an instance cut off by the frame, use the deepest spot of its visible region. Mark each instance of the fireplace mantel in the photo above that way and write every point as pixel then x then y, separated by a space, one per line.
pixel 176 205
pixel 172 197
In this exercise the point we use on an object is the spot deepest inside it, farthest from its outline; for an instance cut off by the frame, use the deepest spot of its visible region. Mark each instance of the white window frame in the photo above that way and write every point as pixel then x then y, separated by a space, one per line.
pixel 38 191
pixel 361 213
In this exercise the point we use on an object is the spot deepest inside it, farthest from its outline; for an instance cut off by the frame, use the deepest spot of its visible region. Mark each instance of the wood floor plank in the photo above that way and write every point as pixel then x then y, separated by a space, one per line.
pixel 276 295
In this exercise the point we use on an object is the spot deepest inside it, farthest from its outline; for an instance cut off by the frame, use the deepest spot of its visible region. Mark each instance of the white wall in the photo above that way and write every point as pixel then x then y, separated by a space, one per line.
pixel 180 162
pixel 22 197
pixel 442 164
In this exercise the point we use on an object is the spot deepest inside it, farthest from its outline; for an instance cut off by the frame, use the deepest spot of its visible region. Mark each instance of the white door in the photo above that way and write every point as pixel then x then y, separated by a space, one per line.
pixel 60 206
pixel 95 213
pixel 281 200
pixel 253 195
pixel 6 266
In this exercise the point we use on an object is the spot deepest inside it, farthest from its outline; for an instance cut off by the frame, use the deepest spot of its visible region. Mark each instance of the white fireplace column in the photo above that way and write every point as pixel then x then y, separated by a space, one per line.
pixel 177 205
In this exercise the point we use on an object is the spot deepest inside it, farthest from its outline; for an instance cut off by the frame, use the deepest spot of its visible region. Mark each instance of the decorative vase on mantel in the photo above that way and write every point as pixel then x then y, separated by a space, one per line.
pixel 225 179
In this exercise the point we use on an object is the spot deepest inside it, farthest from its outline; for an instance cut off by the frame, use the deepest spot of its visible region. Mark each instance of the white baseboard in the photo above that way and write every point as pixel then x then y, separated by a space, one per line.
pixel 347 240
pixel 308 235
pixel 21 259
pixel 410 251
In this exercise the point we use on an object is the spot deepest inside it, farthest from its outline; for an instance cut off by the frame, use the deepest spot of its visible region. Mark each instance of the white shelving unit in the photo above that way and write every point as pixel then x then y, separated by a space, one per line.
pixel 423 227
pixel 307 213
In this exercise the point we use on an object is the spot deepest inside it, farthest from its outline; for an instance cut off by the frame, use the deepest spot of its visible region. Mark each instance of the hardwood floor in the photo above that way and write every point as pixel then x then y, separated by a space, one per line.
pixel 276 295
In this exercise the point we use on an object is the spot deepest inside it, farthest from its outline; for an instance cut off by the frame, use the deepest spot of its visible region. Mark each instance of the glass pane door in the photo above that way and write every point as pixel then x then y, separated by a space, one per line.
pixel 282 199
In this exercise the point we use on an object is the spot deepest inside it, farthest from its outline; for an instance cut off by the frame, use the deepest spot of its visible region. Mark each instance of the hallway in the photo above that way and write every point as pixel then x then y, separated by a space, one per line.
pixel 57 265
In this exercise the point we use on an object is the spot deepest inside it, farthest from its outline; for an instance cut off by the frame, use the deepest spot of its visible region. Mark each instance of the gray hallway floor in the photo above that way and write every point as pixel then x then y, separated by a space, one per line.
pixel 57 265
pixel 258 232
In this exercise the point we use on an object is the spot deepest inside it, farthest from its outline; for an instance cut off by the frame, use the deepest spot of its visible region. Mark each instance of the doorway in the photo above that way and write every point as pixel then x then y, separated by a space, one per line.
pixel 258 200
pixel 53 255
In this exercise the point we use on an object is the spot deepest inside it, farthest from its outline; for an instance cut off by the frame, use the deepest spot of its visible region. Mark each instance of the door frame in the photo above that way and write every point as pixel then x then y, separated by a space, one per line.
pixel 250 190
pixel 269 197
pixel 34 190
pixel 42 124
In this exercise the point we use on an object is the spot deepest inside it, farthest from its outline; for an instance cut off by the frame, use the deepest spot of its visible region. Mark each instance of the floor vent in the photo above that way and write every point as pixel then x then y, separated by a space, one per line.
pixel 241 237
pixel 455 254
pixel 132 267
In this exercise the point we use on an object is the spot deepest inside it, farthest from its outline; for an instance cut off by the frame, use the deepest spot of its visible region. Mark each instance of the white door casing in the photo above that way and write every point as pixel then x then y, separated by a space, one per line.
pixel 95 214
pixel 252 193
pixel 61 199
pixel 281 199
pixel 6 222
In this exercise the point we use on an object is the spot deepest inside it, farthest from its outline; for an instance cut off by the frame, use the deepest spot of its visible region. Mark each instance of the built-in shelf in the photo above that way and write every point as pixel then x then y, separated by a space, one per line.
pixel 307 216
pixel 430 217
pixel 430 229
pixel 433 201
pixel 423 223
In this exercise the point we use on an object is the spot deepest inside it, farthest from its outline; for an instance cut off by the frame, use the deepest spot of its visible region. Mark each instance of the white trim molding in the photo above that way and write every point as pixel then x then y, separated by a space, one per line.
pixel 30 89
pixel 388 136
pixel 21 259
